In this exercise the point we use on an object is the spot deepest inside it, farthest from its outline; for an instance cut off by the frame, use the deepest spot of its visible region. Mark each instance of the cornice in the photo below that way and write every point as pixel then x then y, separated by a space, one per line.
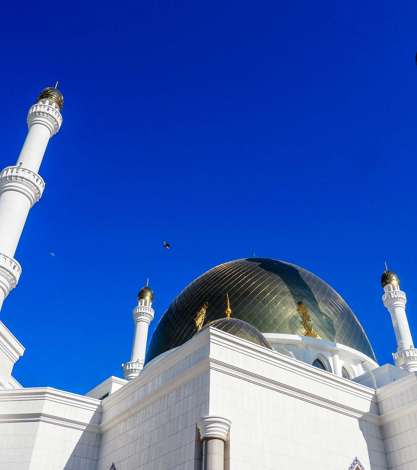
pixel 50 394
pixel 50 419
pixel 275 358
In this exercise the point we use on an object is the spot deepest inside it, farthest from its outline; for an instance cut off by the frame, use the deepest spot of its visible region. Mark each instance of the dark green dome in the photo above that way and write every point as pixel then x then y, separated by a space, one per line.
pixel 240 328
pixel 264 293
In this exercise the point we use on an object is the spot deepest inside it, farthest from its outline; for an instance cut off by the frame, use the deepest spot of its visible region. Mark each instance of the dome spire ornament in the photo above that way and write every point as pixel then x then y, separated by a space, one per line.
pixel 53 96
pixel 146 293
pixel 228 311
pixel 390 278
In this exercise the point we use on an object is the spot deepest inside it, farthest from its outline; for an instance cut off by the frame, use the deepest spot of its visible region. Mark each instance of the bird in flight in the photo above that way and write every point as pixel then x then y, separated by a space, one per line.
pixel 166 245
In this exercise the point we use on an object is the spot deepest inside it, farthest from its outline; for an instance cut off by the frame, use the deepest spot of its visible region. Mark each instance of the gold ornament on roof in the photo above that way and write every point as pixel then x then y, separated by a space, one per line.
pixel 200 318
pixel 228 311
pixel 306 320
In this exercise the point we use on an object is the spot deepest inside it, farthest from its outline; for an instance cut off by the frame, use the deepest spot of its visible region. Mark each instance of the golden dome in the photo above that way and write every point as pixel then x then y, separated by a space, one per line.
pixel 145 293
pixel 52 94
pixel 389 277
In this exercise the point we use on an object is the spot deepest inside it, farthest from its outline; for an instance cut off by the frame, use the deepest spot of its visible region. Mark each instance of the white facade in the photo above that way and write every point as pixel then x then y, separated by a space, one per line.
pixel 272 410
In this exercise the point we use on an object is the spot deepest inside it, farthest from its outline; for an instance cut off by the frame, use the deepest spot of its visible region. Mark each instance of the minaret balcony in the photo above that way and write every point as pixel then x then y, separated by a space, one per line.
pixel 131 369
pixel 46 113
pixel 10 271
pixel 405 358
pixel 20 179
pixel 144 313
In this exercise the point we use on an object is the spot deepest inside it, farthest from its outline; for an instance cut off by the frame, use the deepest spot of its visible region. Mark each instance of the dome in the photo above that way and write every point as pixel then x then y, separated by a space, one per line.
pixel 389 277
pixel 240 328
pixel 52 94
pixel 265 293
pixel 145 293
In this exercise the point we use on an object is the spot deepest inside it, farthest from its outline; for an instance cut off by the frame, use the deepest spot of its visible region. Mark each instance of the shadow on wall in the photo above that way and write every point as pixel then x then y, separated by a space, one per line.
pixel 86 452
pixel 372 434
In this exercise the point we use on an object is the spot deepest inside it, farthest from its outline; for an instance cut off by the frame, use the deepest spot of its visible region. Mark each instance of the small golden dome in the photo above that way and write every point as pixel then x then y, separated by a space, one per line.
pixel 52 94
pixel 389 277
pixel 146 293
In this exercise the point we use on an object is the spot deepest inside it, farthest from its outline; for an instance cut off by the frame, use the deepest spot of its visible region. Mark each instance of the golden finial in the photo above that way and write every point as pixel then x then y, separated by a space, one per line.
pixel 53 95
pixel 228 310
pixel 306 320
pixel 200 318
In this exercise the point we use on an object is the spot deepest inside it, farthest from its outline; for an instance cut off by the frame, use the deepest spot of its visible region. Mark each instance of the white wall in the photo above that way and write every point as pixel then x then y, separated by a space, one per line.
pixel 151 422
pixel 47 429
pixel 286 414
pixel 398 407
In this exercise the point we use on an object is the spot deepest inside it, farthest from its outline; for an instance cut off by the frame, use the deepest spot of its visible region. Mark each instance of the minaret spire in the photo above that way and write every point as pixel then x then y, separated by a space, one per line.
pixel 143 314
pixel 21 186
pixel 395 301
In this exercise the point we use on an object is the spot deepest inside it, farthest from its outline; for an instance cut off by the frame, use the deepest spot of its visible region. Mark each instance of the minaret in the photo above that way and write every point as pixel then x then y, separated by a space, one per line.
pixel 21 186
pixel 143 314
pixel 395 300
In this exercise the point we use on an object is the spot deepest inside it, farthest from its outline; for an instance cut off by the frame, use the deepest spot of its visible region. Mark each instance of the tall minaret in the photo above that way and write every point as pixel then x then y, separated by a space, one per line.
pixel 21 186
pixel 143 314
pixel 395 300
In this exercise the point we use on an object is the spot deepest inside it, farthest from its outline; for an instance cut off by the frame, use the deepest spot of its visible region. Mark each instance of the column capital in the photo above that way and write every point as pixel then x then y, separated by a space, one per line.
pixel 47 114
pixel 214 427
pixel 22 180
pixel 143 313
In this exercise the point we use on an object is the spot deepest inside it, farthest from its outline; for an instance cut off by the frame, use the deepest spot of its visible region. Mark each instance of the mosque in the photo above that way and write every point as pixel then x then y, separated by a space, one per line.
pixel 258 364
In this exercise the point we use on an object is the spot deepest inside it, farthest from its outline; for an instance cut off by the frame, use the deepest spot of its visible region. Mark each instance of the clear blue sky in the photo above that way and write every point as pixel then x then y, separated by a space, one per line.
pixel 284 128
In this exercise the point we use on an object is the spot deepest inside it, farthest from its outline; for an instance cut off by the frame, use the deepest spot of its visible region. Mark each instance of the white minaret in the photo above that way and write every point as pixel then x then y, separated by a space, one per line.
pixel 143 314
pixel 21 186
pixel 395 300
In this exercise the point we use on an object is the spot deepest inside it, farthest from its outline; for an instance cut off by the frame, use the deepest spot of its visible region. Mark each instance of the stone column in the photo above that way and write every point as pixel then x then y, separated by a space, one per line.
pixel 214 432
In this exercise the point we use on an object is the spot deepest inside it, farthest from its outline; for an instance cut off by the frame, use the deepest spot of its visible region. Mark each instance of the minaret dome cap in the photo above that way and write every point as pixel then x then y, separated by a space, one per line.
pixel 389 277
pixel 52 94
pixel 146 293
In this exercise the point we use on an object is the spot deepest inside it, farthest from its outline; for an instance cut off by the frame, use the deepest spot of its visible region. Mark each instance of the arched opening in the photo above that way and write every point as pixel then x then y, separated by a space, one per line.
pixel 319 364
pixel 345 373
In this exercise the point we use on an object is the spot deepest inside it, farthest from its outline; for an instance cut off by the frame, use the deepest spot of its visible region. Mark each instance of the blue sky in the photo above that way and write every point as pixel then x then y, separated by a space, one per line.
pixel 287 129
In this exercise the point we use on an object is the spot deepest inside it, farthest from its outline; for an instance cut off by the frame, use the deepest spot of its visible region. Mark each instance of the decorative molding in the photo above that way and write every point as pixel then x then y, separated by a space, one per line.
pixel 132 369
pixel 52 394
pixel 143 313
pixel 22 180
pixel 47 114
pixel 10 271
pixel 50 419
pixel 214 427
pixel 406 359
pixel 392 296
pixel 356 465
